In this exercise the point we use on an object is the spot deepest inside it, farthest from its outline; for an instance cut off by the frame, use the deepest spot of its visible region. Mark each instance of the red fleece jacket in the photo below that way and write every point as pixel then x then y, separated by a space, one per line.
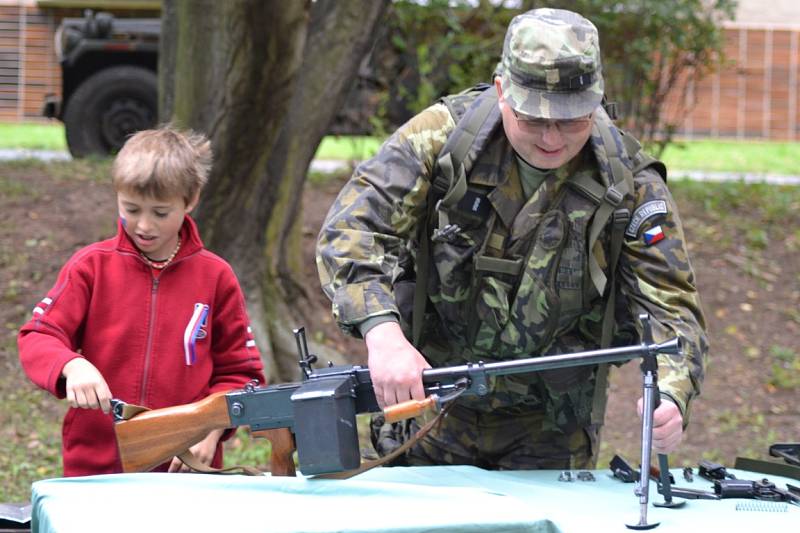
pixel 139 326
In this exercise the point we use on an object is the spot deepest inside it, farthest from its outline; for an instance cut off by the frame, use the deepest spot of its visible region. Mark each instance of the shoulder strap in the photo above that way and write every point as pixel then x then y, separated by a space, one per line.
pixel 449 185
pixel 611 208
pixel 639 158
pixel 459 152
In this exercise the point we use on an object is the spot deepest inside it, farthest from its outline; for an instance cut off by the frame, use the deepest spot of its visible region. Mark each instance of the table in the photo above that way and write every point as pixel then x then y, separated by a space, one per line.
pixel 441 498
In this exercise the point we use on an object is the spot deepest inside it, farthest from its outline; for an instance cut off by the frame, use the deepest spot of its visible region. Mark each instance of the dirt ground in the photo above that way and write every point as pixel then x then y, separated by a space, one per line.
pixel 751 298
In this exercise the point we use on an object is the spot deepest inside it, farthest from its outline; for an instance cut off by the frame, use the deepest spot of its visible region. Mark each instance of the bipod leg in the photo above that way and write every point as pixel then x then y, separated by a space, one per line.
pixel 649 368
pixel 665 486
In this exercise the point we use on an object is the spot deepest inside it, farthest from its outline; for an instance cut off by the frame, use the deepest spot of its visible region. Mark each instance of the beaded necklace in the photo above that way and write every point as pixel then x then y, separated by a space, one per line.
pixel 160 265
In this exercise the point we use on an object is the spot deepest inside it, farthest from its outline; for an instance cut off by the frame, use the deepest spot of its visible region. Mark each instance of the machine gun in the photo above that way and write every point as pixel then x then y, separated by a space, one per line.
pixel 320 411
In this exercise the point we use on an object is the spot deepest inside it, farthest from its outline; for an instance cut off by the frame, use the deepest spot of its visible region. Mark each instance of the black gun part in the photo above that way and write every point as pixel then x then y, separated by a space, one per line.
pixel 713 471
pixel 622 470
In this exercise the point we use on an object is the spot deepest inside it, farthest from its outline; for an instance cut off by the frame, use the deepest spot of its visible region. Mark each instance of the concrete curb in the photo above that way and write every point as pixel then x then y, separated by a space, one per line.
pixel 328 166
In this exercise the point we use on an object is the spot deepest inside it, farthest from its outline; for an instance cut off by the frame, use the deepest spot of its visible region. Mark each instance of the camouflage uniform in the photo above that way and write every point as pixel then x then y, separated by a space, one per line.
pixel 515 283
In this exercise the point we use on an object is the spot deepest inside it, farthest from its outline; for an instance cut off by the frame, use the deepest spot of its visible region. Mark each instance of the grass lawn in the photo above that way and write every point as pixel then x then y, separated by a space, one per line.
pixel 758 157
pixel 33 136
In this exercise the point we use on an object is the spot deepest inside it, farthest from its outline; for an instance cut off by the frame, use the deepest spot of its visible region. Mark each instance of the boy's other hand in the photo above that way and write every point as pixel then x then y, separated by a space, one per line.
pixel 86 387
pixel 203 451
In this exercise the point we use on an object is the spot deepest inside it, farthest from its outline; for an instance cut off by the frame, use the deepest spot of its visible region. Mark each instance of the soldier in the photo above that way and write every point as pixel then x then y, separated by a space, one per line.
pixel 510 221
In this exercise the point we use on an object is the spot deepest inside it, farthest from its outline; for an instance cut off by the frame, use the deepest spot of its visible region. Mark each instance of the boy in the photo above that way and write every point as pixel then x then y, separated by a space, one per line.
pixel 149 316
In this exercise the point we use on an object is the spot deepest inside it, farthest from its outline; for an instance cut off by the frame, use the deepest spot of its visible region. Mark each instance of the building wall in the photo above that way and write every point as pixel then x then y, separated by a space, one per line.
pixel 28 65
pixel 755 96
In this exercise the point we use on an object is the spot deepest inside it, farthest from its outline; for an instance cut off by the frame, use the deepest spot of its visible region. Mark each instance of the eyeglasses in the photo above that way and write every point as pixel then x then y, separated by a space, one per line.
pixel 540 125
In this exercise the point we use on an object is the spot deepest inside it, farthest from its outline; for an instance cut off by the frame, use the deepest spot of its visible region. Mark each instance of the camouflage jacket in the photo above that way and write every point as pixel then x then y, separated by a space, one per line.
pixel 368 241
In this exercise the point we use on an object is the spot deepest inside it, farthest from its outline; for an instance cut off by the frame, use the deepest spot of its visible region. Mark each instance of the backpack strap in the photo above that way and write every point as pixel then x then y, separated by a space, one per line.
pixel 612 208
pixel 458 153
pixel 449 186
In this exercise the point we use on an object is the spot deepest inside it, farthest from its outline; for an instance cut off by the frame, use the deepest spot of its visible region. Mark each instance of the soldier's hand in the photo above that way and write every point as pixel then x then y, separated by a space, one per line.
pixel 667 426
pixel 395 366
pixel 86 387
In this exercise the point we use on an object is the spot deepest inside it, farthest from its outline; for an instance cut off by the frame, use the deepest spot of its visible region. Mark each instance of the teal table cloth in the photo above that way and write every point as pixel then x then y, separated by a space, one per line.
pixel 429 499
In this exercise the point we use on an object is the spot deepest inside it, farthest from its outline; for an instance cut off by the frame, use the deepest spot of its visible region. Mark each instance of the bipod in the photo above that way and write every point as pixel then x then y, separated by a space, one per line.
pixel 665 483
pixel 649 368
pixel 789 451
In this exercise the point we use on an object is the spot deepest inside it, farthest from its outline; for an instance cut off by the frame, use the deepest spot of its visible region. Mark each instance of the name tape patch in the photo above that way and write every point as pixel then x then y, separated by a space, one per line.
pixel 644 212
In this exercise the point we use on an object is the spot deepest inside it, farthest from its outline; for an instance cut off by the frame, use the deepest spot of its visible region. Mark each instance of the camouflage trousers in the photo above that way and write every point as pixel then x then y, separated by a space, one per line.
pixel 490 441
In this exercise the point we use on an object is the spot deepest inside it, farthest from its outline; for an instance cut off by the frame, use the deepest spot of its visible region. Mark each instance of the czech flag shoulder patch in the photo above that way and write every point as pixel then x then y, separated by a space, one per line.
pixel 653 235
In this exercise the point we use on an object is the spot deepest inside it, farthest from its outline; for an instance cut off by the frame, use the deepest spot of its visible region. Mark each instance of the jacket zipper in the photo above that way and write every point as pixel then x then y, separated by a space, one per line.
pixel 150 328
pixel 151 325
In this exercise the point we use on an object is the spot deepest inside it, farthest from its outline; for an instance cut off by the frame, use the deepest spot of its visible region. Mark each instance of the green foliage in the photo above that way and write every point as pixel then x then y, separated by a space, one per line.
pixel 648 46
pixel 435 49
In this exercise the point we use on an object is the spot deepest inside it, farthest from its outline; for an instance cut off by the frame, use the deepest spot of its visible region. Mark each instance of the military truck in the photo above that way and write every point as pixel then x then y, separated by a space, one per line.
pixel 110 84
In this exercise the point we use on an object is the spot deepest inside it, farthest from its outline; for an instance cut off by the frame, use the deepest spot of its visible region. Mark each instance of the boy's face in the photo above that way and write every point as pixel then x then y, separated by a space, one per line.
pixel 153 224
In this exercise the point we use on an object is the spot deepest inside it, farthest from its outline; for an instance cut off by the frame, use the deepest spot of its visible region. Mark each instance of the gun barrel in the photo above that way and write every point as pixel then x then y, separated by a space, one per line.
pixel 549 362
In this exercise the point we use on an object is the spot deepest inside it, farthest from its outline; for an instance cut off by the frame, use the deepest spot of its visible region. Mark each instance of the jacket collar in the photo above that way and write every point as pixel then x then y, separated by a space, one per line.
pixel 190 239
pixel 499 170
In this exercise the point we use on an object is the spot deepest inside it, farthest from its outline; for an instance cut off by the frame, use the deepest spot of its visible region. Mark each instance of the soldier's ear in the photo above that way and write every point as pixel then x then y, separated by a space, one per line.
pixel 500 100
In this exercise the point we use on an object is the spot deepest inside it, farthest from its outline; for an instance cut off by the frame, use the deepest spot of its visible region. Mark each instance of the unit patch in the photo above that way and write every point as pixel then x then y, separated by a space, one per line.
pixel 643 213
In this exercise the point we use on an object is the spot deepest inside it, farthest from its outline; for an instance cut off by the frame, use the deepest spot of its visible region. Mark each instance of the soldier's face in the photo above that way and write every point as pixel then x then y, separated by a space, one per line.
pixel 544 144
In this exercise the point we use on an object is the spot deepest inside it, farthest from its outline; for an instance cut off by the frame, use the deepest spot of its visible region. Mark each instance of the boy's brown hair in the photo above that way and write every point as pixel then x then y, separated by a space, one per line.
pixel 163 163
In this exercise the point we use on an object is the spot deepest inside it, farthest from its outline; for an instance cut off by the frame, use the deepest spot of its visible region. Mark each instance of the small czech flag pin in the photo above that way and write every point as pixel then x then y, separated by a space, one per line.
pixel 653 235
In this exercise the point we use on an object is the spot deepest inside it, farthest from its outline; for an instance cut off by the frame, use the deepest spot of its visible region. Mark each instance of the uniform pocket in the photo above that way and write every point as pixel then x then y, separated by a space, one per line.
pixel 492 305
pixel 452 261
pixel 492 310
pixel 534 316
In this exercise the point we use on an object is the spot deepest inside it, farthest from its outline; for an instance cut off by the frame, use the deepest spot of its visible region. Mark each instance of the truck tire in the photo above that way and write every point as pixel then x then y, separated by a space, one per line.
pixel 108 107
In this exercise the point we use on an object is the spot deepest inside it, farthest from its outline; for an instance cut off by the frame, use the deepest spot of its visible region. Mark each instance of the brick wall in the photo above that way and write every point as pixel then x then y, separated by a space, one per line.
pixel 755 96
pixel 28 65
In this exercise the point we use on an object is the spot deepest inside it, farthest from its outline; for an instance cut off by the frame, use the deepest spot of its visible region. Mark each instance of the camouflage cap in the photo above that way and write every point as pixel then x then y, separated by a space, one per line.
pixel 551 65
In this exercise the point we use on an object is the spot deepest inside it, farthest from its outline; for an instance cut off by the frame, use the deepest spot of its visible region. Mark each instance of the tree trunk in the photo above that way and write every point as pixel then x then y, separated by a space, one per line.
pixel 263 79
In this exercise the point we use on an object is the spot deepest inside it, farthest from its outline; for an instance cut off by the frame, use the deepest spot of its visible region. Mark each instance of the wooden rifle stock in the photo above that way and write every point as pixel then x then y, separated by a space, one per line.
pixel 150 438
pixel 153 437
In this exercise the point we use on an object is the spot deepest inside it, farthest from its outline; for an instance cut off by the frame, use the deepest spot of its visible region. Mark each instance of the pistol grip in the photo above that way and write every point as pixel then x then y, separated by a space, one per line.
pixel 281 461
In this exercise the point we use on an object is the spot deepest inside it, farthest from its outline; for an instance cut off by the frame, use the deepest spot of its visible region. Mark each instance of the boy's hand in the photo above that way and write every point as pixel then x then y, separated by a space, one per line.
pixel 204 452
pixel 86 387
